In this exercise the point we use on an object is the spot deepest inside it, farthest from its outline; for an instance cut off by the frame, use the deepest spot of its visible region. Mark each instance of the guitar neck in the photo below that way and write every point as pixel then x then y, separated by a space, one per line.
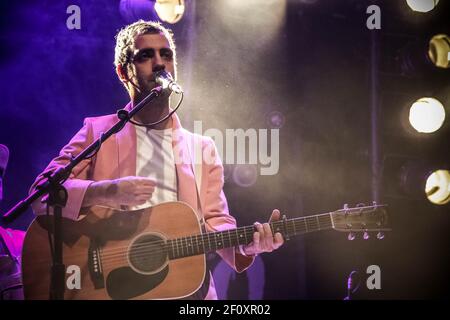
pixel 212 241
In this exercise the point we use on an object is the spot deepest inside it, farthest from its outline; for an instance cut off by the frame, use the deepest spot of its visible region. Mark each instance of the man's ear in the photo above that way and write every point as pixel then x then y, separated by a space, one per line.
pixel 122 73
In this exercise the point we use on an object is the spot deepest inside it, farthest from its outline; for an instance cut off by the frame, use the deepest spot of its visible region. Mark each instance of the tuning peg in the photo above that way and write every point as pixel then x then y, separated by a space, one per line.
pixel 345 206
pixel 351 236
pixel 380 235
pixel 366 235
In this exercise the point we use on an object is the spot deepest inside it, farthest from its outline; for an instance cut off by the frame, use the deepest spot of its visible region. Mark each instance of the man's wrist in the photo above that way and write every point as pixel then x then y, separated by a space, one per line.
pixel 96 194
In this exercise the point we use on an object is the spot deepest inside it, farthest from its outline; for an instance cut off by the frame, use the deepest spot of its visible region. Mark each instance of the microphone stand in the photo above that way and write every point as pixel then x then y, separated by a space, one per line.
pixel 57 194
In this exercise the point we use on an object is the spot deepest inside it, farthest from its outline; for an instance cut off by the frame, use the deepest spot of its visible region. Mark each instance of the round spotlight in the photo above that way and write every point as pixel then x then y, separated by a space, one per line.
pixel 426 115
pixel 245 175
pixel 439 51
pixel 422 5
pixel 169 11
pixel 437 187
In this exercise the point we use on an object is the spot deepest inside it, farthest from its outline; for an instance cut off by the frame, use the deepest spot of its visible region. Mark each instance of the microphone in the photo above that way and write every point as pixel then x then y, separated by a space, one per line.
pixel 165 79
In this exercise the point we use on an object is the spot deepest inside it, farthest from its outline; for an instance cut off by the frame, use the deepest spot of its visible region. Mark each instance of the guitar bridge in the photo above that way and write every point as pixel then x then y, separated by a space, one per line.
pixel 95 265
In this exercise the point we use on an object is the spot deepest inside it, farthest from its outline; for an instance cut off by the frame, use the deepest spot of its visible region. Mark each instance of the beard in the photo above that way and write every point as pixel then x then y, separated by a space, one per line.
pixel 144 88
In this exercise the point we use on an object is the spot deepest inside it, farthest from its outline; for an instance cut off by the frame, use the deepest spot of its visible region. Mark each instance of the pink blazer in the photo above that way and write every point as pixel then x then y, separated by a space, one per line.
pixel 117 158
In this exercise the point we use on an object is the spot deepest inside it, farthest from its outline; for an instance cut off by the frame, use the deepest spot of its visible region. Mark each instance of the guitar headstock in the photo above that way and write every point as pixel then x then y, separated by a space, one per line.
pixel 361 219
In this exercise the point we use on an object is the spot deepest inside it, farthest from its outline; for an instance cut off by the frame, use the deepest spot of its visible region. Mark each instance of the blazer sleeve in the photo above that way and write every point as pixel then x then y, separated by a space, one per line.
pixel 215 206
pixel 78 181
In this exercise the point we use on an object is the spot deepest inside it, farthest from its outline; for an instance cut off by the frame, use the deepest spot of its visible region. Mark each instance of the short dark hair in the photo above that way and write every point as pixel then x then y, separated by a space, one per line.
pixel 126 37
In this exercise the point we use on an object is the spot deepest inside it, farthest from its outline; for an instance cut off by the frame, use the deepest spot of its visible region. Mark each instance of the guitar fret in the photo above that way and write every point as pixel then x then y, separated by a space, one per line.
pixel 318 223
pixel 276 228
pixel 224 239
pixel 173 250
pixel 182 249
pixel 209 242
pixel 218 243
pixel 202 242
pixel 189 244
pixel 310 223
pixel 176 246
pixel 306 225
pixel 198 245
pixel 293 224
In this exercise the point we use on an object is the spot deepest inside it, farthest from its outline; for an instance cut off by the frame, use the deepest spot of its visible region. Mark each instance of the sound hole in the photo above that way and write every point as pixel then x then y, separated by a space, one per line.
pixel 148 254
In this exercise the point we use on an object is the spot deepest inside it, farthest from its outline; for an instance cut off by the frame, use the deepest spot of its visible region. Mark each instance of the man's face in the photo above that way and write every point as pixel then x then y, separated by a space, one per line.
pixel 152 53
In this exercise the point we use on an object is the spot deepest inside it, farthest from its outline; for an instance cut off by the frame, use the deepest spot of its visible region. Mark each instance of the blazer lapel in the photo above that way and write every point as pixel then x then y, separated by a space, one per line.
pixel 186 182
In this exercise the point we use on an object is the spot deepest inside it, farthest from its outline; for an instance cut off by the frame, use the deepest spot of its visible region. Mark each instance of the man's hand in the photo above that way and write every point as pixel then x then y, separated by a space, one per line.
pixel 263 240
pixel 129 191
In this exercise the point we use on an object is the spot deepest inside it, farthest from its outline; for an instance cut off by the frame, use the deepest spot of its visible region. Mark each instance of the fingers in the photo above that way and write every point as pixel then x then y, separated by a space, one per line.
pixel 139 181
pixel 278 242
pixel 268 238
pixel 265 241
pixel 275 215
pixel 256 239
pixel 144 187
pixel 132 190
pixel 143 190
pixel 147 182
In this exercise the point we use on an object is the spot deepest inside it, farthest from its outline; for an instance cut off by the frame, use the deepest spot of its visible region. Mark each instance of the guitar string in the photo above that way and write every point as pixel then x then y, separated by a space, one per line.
pixel 151 250
pixel 211 235
pixel 155 247
pixel 122 256
pixel 180 242
pixel 143 253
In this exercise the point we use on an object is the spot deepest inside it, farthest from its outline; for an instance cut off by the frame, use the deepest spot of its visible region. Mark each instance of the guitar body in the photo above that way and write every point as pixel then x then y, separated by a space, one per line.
pixel 106 255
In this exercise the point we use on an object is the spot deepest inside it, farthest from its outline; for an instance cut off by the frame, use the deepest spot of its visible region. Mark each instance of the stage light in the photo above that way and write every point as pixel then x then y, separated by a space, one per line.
pixel 170 11
pixel 415 178
pixel 261 20
pixel 422 5
pixel 426 115
pixel 437 187
pixel 439 50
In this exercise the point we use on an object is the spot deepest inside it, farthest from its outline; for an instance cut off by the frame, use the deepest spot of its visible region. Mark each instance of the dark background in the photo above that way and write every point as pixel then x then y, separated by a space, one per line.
pixel 341 88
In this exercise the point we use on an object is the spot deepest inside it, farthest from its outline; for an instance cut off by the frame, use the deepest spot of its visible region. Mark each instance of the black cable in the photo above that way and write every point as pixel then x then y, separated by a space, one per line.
pixel 161 120
pixel 99 143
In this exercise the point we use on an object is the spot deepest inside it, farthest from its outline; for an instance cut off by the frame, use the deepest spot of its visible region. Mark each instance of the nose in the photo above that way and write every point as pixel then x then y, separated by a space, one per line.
pixel 158 62
pixel 158 67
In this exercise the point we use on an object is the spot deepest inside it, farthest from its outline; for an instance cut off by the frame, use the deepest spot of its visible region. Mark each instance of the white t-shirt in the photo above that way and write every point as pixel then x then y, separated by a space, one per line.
pixel 155 160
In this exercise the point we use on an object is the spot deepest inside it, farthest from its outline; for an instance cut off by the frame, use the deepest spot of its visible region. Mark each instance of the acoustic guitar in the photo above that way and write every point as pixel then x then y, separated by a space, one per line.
pixel 154 253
